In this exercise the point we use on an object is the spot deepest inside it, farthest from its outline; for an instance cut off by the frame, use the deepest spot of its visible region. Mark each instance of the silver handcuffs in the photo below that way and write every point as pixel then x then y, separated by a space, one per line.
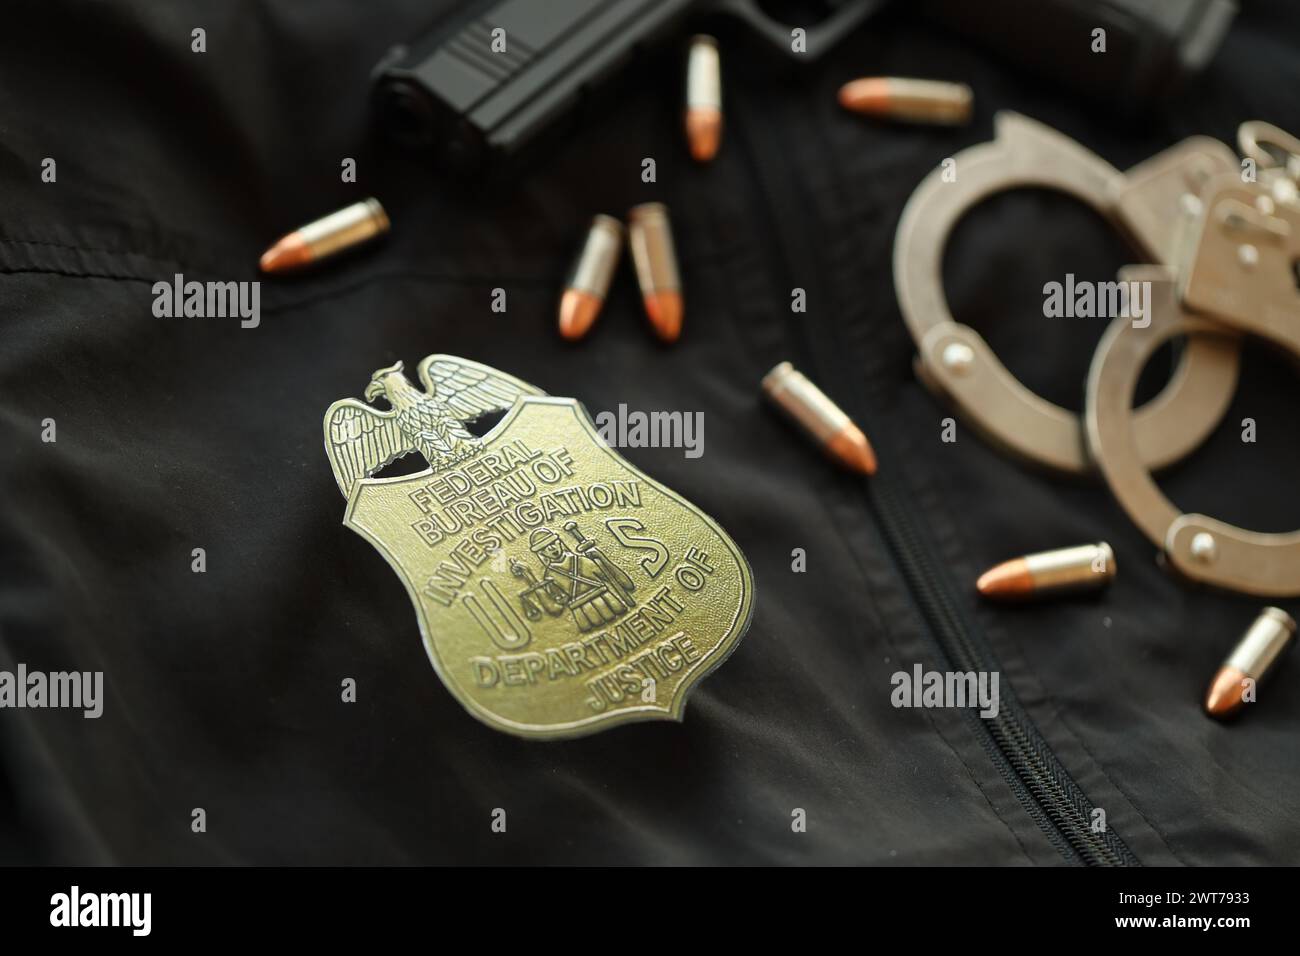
pixel 1221 251
pixel 1235 275
pixel 956 362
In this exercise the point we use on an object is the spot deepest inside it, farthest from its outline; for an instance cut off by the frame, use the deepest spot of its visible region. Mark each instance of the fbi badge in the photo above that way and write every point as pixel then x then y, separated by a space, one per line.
pixel 558 589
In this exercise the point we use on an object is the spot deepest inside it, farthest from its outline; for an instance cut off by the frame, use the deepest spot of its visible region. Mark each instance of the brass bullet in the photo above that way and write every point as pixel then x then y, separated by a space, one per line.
pixel 650 237
pixel 1082 568
pixel 913 101
pixel 808 407
pixel 589 279
pixel 1252 659
pixel 350 226
pixel 703 98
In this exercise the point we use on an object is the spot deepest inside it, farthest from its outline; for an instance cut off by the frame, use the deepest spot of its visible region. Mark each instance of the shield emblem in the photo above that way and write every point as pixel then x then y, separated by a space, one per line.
pixel 559 590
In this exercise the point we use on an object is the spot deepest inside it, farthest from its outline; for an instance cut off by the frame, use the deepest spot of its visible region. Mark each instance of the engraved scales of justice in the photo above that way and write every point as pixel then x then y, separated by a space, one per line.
pixel 582 579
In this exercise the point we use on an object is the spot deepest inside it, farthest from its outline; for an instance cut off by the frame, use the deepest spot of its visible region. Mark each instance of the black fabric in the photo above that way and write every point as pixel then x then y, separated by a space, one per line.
pixel 223 688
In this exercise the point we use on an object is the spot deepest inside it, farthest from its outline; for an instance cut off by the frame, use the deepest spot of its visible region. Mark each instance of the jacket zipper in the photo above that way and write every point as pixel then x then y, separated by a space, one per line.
pixel 1041 783
pixel 1023 758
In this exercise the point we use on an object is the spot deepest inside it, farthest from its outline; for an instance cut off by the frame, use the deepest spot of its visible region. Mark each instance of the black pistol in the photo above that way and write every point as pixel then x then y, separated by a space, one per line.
pixel 1153 47
pixel 487 83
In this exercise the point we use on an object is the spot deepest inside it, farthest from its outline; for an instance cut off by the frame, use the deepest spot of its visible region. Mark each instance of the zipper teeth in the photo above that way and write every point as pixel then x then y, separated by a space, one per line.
pixel 1021 756
pixel 1027 757
pixel 1012 747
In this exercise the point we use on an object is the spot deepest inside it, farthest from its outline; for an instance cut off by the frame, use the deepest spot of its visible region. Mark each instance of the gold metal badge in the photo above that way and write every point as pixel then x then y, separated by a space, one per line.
pixel 559 590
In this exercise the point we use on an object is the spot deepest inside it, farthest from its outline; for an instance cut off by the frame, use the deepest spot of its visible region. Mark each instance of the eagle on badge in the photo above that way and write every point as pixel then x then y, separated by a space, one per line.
pixel 361 439
pixel 631 594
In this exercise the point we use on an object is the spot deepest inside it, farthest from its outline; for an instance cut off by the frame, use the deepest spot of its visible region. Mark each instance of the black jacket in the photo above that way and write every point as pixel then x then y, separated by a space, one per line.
pixel 222 688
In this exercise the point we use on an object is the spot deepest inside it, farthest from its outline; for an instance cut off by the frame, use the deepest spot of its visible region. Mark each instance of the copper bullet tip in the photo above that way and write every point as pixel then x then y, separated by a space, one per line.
pixel 851 448
pixel 1010 579
pixel 1084 567
pixel 909 100
pixel 289 252
pixel 1253 657
pixel 1225 694
pixel 870 95
pixel 327 236
pixel 578 312
pixel 650 239
pixel 704 132
pixel 664 310
pixel 589 279
pixel 703 99
pixel 820 418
